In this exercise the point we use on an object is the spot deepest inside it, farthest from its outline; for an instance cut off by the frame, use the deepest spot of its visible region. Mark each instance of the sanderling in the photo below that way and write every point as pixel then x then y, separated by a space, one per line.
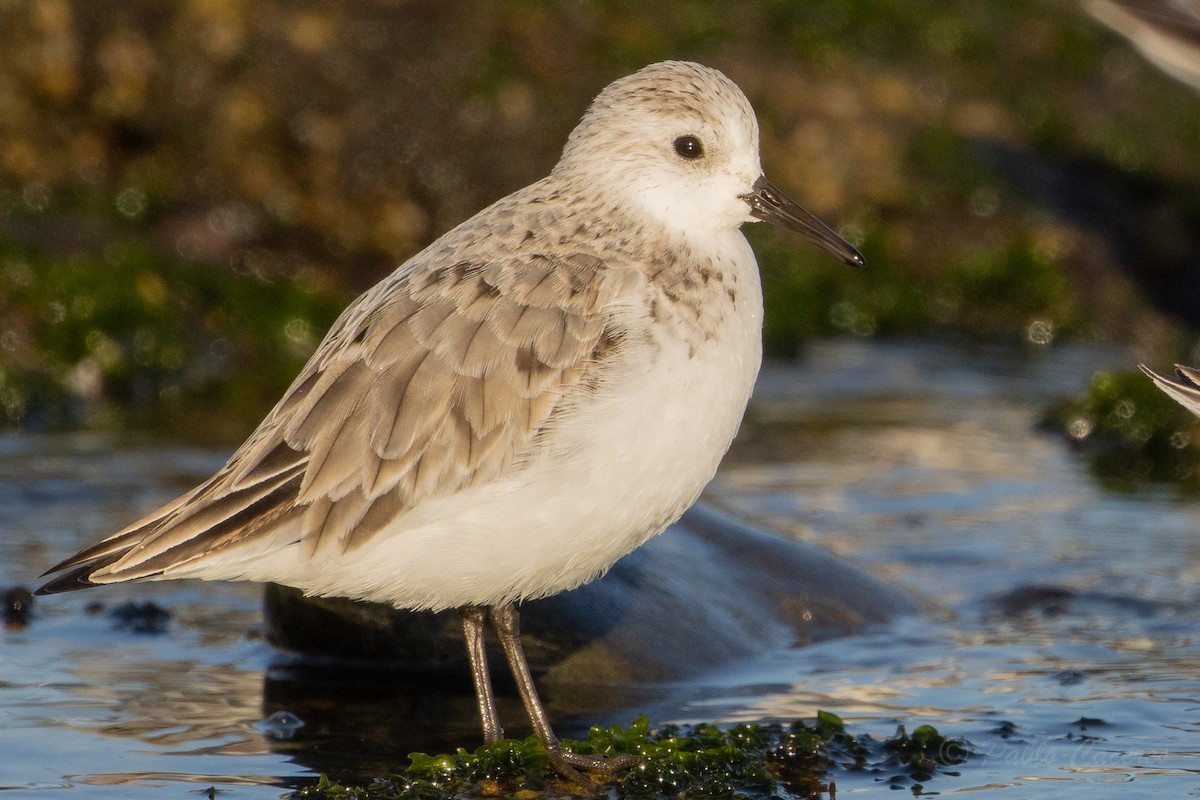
pixel 518 405
pixel 1185 389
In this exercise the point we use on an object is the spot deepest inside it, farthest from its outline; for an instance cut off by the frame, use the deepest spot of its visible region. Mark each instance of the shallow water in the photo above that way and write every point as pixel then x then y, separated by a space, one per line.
pixel 1066 654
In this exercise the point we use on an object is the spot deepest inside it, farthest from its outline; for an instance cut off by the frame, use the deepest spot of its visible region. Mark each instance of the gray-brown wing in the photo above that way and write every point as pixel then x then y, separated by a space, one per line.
pixel 427 384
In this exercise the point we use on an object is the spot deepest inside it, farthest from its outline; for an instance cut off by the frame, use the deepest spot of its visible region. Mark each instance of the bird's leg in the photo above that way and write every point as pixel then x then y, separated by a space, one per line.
pixel 473 619
pixel 508 630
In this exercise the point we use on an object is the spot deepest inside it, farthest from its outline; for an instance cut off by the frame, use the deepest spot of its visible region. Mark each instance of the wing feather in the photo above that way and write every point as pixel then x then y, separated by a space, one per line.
pixel 1184 388
pixel 435 380
pixel 418 409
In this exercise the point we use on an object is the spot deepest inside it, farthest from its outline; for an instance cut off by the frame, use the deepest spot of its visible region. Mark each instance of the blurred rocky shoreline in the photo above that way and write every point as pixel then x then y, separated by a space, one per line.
pixel 189 192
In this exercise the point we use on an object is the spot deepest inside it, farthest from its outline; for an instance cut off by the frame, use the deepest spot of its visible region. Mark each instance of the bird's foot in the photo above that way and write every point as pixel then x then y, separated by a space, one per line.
pixel 569 764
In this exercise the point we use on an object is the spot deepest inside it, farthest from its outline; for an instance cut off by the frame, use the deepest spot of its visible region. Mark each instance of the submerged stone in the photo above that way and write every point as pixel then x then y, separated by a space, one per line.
pixel 712 589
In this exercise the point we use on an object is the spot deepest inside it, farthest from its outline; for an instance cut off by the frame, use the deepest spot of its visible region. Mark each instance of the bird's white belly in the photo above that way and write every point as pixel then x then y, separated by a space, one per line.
pixel 620 468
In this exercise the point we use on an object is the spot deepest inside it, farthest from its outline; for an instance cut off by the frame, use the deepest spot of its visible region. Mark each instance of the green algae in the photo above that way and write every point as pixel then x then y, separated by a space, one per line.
pixel 757 762
pixel 1012 289
pixel 1130 433
pixel 939 139
pixel 128 332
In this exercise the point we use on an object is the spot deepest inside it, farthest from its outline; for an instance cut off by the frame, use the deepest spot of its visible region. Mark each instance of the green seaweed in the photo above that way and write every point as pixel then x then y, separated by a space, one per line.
pixel 757 762
pixel 129 332
pixel 1130 433
pixel 936 136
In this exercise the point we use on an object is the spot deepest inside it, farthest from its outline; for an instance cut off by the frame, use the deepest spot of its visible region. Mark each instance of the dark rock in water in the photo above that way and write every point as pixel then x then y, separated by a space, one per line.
pixel 1038 601
pixel 146 617
pixel 711 589
pixel 17 603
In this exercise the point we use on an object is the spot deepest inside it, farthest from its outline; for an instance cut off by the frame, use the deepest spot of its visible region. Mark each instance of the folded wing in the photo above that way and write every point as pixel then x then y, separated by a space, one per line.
pixel 429 383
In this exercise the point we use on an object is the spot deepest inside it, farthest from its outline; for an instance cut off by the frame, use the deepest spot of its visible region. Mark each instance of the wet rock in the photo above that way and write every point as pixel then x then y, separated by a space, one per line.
pixel 711 589
pixel 18 601
pixel 145 617
pixel 1049 602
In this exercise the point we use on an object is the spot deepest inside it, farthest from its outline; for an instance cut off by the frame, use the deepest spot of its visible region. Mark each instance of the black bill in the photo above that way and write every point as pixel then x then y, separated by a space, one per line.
pixel 771 205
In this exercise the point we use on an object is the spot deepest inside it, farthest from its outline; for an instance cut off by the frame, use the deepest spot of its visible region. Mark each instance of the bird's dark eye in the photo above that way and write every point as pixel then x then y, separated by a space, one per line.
pixel 689 147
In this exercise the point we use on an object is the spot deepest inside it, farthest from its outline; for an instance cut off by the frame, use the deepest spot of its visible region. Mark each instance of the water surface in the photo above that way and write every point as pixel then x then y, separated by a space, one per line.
pixel 1066 652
